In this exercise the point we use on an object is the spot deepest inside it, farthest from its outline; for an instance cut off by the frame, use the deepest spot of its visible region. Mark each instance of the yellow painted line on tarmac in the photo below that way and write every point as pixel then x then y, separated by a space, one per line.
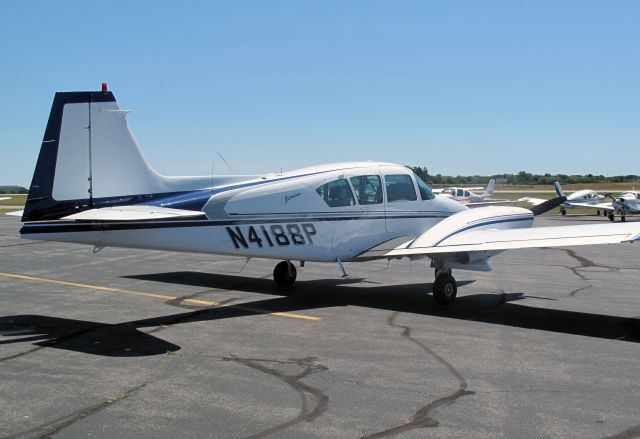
pixel 156 296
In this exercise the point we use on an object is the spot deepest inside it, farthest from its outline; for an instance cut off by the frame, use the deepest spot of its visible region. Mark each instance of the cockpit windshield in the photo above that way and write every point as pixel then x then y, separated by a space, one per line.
pixel 425 190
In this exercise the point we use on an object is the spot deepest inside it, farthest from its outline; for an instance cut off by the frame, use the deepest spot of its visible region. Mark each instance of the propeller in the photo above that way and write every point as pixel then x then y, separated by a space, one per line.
pixel 547 205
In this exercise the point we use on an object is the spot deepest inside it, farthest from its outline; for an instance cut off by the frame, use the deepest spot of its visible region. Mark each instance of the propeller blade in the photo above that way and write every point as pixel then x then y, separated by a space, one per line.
pixel 548 205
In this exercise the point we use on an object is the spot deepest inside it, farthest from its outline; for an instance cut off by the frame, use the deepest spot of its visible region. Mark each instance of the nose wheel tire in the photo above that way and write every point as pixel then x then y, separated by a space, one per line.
pixel 612 217
pixel 445 289
pixel 562 211
pixel 284 274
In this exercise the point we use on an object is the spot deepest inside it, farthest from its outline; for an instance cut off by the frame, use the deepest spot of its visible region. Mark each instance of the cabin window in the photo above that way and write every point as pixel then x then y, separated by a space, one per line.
pixel 460 192
pixel 467 194
pixel 368 189
pixel 400 188
pixel 337 193
pixel 425 190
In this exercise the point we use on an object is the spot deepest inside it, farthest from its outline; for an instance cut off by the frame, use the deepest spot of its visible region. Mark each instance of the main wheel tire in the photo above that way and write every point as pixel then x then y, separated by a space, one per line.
pixel 597 213
pixel 623 218
pixel 612 217
pixel 284 274
pixel 562 211
pixel 445 289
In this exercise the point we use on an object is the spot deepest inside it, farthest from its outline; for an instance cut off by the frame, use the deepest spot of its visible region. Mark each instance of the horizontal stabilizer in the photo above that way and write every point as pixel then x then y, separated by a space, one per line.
pixel 133 213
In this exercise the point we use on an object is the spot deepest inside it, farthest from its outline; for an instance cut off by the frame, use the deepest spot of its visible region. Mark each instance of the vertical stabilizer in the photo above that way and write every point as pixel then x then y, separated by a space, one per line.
pixel 489 190
pixel 87 153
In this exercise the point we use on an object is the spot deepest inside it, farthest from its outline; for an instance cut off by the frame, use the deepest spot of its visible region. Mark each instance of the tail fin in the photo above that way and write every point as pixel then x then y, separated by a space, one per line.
pixel 87 153
pixel 489 190
pixel 559 190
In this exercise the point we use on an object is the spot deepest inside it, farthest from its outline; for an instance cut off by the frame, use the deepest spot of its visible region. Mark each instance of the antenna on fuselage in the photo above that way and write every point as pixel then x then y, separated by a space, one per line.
pixel 90 129
pixel 227 163
pixel 213 167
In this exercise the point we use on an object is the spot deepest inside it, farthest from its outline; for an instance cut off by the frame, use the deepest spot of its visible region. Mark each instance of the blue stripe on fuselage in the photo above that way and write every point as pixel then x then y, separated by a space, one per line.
pixel 195 200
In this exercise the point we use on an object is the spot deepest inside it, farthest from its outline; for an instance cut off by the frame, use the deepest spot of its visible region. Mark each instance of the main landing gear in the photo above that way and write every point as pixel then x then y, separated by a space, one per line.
pixel 612 217
pixel 284 274
pixel 444 287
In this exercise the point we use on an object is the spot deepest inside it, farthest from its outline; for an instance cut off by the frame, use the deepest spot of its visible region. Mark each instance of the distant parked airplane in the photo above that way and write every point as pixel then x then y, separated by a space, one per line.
pixel 465 195
pixel 627 203
pixel 583 199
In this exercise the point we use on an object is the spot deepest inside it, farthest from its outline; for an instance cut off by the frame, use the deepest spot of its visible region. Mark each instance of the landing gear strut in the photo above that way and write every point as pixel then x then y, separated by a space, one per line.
pixel 445 287
pixel 284 274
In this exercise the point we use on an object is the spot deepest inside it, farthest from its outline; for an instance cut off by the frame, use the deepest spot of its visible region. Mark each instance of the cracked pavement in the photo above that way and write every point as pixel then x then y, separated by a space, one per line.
pixel 186 345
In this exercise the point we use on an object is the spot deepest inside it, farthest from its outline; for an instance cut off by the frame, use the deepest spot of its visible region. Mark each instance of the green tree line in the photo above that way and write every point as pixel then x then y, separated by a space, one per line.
pixel 521 178
pixel 13 190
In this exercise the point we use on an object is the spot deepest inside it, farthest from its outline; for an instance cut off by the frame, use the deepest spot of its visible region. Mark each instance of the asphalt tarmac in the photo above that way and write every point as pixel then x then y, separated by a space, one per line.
pixel 147 344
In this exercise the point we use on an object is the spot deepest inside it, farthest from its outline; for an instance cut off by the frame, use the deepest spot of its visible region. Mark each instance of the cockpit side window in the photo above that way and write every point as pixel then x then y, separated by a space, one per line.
pixel 425 190
pixel 467 194
pixel 337 193
pixel 460 192
pixel 400 188
pixel 368 189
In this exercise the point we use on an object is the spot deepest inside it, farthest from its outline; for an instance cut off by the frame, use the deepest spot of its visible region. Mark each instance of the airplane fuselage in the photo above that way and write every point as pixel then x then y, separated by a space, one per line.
pixel 315 214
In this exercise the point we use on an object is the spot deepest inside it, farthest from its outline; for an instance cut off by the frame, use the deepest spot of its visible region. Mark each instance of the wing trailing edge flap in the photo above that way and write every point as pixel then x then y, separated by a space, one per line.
pixel 134 213
pixel 496 240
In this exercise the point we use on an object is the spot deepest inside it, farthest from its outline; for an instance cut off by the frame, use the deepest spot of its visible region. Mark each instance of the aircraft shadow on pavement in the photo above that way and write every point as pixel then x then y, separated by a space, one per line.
pixel 127 339
pixel 494 308
pixel 119 340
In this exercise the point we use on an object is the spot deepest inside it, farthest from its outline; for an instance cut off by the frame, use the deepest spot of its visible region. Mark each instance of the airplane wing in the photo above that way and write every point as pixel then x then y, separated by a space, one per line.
pixel 490 203
pixel 531 200
pixel 132 213
pixel 15 213
pixel 592 206
pixel 438 191
pixel 507 239
pixel 4 198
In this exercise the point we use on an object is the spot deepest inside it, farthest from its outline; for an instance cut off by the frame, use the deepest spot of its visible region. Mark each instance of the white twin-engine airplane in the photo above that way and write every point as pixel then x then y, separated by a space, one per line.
pixel 92 186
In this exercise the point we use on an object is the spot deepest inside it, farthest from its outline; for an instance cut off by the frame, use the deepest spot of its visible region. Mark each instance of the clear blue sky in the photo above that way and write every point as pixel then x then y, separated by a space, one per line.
pixel 474 87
